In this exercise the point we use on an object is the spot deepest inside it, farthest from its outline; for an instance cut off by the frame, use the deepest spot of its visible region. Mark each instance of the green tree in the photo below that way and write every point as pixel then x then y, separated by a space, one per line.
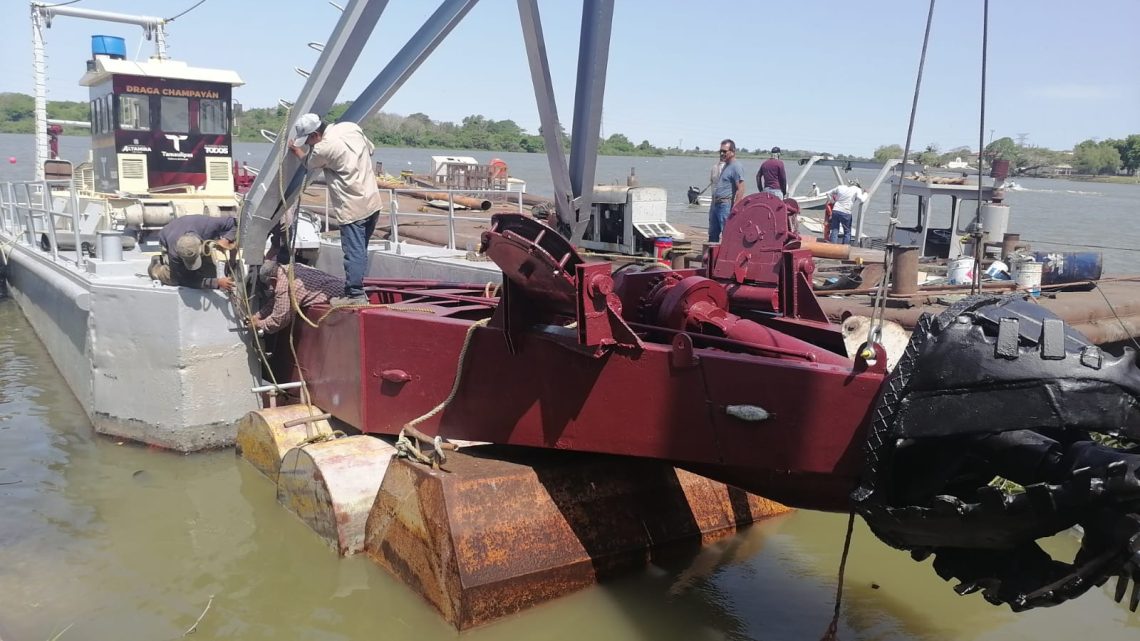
pixel 929 156
pixel 1004 148
pixel 1092 157
pixel 1129 150
pixel 617 145
pixel 888 152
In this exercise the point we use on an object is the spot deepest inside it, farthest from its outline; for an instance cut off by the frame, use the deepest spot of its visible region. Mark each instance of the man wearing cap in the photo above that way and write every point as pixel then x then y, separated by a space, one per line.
pixel 345 154
pixel 772 178
pixel 186 242
pixel 843 198
pixel 310 287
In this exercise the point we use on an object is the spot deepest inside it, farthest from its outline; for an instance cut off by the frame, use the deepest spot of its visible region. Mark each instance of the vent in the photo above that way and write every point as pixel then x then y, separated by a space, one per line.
pixel 87 178
pixel 133 169
pixel 218 170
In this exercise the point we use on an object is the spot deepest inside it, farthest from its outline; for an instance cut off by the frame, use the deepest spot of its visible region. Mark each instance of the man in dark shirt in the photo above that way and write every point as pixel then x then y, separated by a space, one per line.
pixel 772 178
pixel 187 261
pixel 728 189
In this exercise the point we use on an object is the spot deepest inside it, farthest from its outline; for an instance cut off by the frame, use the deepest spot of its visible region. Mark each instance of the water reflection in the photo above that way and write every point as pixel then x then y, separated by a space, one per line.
pixel 124 542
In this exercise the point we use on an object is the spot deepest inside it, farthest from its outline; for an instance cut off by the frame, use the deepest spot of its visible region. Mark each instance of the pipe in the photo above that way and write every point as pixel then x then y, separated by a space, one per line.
pixel 905 272
pixel 110 245
pixel 841 252
pixel 467 201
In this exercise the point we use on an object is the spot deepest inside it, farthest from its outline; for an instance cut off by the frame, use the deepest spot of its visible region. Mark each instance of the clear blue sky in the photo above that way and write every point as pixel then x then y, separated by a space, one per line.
pixel 828 75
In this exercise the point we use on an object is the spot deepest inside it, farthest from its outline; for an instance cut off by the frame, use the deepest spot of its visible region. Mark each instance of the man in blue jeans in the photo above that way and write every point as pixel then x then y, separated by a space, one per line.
pixel 728 189
pixel 345 154
pixel 844 198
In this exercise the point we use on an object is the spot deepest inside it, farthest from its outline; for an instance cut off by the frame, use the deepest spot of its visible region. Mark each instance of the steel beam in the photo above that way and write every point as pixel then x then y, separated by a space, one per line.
pixel 408 59
pixel 547 109
pixel 264 205
pixel 593 58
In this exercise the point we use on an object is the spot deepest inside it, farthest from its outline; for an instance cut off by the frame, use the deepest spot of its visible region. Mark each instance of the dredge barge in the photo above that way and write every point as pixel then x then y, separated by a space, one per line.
pixel 626 410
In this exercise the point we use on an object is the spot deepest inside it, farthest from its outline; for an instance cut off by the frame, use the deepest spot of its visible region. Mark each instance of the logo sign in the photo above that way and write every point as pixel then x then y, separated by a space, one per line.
pixel 176 142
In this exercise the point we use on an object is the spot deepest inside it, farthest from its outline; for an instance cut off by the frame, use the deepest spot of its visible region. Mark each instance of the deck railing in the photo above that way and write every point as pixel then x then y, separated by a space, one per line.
pixel 450 215
pixel 27 208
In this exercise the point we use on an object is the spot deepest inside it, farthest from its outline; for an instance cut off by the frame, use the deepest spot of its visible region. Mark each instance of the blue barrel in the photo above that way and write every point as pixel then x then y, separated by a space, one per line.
pixel 112 46
pixel 1068 267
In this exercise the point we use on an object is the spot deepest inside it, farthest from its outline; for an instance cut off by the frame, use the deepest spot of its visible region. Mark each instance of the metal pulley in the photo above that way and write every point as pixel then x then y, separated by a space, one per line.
pixel 535 258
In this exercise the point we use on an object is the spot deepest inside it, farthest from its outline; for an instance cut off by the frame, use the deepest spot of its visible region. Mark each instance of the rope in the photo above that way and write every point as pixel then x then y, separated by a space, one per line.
pixel 875 328
pixel 833 627
pixel 458 377
pixel 976 233
pixel 184 12
pixel 1112 309
pixel 409 447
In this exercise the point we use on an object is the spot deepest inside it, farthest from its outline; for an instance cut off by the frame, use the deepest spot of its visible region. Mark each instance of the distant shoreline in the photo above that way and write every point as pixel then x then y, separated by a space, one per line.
pixel 1120 180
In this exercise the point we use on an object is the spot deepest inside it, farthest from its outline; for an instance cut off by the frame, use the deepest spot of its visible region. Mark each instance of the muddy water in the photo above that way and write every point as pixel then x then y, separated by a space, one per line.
pixel 111 541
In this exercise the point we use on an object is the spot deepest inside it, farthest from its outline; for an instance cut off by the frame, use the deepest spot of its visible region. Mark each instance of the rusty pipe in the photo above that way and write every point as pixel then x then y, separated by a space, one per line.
pixel 467 201
pixel 841 252
pixel 904 275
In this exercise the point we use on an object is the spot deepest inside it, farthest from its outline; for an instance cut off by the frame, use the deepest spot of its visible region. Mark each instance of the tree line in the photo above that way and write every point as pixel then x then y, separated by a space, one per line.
pixel 481 133
pixel 1090 157
pixel 387 130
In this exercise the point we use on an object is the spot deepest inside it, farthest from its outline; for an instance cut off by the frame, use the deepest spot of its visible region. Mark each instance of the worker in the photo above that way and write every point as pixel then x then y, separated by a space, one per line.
pixel 188 244
pixel 309 287
pixel 772 177
pixel 843 198
pixel 345 154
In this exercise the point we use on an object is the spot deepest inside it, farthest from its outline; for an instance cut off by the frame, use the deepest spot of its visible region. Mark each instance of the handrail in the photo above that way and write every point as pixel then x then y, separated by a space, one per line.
pixel 450 215
pixel 18 217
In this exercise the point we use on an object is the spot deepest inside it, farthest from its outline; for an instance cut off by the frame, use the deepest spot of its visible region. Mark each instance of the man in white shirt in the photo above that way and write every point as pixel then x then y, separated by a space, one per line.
pixel 843 198
pixel 345 154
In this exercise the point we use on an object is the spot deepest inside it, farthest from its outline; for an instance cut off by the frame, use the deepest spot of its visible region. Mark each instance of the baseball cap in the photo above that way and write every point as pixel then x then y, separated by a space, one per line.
pixel 305 125
pixel 189 250
pixel 775 150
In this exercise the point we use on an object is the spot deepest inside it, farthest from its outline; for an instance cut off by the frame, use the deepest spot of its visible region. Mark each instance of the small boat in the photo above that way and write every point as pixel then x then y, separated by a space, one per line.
pixel 811 201
pixel 699 196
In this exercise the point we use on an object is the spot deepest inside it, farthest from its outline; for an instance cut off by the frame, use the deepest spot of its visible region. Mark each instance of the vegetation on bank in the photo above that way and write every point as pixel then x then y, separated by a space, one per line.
pixel 1091 157
pixel 476 132
pixel 418 130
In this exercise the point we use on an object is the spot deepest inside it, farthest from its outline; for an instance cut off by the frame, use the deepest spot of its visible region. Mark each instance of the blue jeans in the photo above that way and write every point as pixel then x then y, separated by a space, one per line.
pixel 775 192
pixel 718 216
pixel 354 243
pixel 839 219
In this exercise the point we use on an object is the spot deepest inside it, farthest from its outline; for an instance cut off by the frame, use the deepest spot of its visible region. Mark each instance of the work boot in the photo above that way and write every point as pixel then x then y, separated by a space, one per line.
pixel 340 301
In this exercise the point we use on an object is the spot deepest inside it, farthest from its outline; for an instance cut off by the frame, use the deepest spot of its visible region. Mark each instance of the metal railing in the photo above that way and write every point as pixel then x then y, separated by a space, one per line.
pixel 27 208
pixel 394 212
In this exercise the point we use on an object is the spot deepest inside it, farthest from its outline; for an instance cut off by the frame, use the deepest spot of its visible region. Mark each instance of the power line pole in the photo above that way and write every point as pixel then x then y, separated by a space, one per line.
pixel 1021 138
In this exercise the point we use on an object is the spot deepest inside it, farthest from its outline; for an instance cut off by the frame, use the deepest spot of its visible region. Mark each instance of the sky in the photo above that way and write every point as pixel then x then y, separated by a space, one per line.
pixel 826 75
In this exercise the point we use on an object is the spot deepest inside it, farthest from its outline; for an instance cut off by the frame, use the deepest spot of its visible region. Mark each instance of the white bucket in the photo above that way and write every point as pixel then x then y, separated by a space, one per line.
pixel 1028 276
pixel 961 271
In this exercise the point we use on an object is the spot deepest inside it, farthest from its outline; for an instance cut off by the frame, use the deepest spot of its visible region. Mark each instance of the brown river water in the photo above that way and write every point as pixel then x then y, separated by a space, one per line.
pixel 101 540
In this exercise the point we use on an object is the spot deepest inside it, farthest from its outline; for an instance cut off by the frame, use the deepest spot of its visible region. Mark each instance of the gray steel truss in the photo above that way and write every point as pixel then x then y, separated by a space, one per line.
pixel 593 58
pixel 550 127
pixel 573 182
pixel 264 205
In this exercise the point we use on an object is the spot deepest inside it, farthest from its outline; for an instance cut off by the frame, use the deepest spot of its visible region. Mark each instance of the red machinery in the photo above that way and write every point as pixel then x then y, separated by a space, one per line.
pixel 736 374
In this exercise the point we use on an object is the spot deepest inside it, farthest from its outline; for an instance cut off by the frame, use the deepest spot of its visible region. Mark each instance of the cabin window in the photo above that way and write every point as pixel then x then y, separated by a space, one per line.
pixel 175 115
pixel 134 112
pixel 212 117
pixel 95 112
pixel 108 114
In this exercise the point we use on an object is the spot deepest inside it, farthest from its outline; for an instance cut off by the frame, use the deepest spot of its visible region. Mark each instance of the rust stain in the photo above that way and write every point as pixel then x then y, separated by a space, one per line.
pixel 497 536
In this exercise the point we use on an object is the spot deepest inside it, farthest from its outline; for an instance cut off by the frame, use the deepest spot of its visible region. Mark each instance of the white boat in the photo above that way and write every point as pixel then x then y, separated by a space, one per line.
pixel 811 201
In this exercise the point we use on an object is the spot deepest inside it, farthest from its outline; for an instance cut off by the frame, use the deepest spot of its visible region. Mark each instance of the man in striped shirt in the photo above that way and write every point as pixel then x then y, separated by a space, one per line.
pixel 310 287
